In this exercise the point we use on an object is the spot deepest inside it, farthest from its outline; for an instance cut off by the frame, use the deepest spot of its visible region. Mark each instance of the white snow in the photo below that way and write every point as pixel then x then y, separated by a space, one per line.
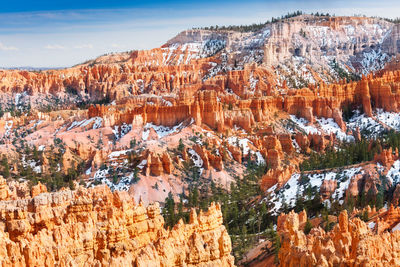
pixel 123 184
pixel 125 128
pixel 396 228
pixel 391 119
pixel 260 158
pixel 145 134
pixel 350 30
pixel 116 132
pixel 393 174
pixel 166 103
pixel 371 225
pixel 302 123
pixel 17 99
pixel 117 154
pixel 161 130
pixel 142 164
pixel 296 145
pixel 198 162
pixel 97 123
pixel 345 181
pixel 287 193
pixel 322 125
pixel 35 124
pixel 330 126
pixel 243 143
pixel 210 47
pixel 373 61
pixel 37 169
pixel 8 127
pixel 253 82
pixel 365 124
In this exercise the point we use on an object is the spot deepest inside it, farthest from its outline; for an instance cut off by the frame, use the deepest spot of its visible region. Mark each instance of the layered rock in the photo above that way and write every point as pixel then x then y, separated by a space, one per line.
pixel 387 157
pixel 277 176
pixel 226 82
pixel 327 188
pixel 97 227
pixel 208 158
pixel 213 64
pixel 4 192
pixel 350 243
pixel 157 165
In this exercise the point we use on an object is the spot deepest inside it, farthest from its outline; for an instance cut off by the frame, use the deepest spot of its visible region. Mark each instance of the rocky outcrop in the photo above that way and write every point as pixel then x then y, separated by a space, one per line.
pixel 227 82
pixel 203 109
pixel 38 189
pixel 209 159
pixel 157 165
pixel 386 157
pixel 327 188
pixel 277 176
pixel 97 227
pixel 153 85
pixel 303 141
pixel 350 243
pixel 387 220
pixel 396 195
pixel 4 192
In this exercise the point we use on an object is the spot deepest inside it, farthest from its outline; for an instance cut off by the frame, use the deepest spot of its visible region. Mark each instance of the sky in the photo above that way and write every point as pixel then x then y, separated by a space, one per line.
pixel 62 33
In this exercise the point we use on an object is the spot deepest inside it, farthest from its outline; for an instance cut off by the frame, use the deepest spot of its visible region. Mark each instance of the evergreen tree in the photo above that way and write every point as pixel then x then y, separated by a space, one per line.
pixel 307 227
pixel 6 167
pixel 169 210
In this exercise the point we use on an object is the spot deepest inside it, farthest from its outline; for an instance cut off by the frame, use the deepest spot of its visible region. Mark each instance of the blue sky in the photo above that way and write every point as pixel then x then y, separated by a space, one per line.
pixel 61 33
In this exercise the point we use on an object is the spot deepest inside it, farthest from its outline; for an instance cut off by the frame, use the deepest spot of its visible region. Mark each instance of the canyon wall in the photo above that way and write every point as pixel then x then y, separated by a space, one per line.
pixel 351 243
pixel 99 228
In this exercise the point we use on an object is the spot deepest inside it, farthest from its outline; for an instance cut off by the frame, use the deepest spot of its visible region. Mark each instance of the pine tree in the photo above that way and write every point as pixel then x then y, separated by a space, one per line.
pixel 35 154
pixel 181 146
pixel 308 227
pixel 6 167
pixel 195 197
pixel 169 210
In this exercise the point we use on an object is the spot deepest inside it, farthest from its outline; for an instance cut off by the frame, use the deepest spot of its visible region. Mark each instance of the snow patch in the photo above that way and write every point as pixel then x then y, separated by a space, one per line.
pixel 302 123
pixel 198 162
pixel 330 126
pixel 391 119
pixel 393 174
pixel 161 130
pixel 287 194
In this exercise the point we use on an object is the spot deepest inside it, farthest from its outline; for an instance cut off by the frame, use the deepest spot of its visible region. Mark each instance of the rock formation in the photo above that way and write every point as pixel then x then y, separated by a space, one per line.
pixel 99 228
pixel 350 243
pixel 213 102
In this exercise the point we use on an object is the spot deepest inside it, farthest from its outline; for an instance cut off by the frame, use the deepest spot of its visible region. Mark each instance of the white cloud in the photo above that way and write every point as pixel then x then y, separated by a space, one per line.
pixel 84 46
pixel 7 48
pixel 55 47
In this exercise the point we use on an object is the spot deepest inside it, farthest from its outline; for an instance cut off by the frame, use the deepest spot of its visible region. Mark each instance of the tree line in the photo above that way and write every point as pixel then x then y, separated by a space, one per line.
pixel 352 152
pixel 253 27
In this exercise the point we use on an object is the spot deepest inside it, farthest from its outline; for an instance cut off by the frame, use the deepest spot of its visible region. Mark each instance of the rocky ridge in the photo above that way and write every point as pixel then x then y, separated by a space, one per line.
pixel 203 109
pixel 351 242
pixel 97 227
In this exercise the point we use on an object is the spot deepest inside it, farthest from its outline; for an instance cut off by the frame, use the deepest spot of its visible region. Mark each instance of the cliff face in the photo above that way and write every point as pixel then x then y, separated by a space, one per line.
pixel 208 106
pixel 382 91
pixel 260 121
pixel 99 228
pixel 294 52
pixel 350 243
